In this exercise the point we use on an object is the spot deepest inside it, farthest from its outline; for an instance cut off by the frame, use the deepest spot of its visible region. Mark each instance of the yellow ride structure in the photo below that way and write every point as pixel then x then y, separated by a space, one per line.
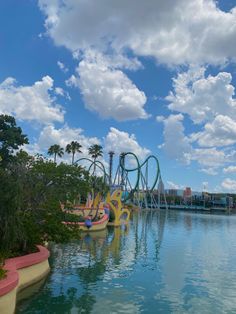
pixel 111 212
pixel 120 213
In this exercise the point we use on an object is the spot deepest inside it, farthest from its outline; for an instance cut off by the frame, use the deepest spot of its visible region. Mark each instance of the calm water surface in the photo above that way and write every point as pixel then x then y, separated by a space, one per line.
pixel 164 262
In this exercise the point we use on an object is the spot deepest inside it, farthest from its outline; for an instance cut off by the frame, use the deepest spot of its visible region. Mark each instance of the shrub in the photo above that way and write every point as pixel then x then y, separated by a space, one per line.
pixel 3 273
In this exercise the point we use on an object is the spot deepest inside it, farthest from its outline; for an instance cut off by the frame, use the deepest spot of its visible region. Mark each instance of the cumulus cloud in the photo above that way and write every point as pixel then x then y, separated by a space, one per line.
pixel 33 103
pixel 61 92
pixel 174 32
pixel 62 136
pixel 211 157
pixel 176 144
pixel 229 185
pixel 230 169
pixel 203 98
pixel 220 132
pixel 51 135
pixel 210 171
pixel 116 140
pixel 208 101
pixel 120 141
pixel 172 185
pixel 107 90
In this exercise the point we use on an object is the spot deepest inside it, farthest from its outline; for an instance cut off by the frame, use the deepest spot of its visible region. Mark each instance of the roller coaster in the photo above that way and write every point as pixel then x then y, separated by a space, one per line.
pixel 141 183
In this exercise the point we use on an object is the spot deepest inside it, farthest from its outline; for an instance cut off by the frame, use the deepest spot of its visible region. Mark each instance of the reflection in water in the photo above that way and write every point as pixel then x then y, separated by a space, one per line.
pixel 164 262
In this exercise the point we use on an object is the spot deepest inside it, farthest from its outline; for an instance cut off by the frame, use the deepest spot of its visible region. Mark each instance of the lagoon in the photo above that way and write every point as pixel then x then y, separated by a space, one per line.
pixel 163 262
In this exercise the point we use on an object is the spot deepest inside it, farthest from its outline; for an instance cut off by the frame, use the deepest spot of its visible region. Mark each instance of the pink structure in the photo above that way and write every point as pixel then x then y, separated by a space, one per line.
pixel 13 264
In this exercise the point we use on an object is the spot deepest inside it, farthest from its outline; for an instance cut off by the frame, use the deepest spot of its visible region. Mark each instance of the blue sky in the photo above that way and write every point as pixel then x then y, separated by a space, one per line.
pixel 152 77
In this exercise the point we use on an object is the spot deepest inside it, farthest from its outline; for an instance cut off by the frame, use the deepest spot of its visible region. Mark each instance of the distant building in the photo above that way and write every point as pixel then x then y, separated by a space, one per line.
pixel 187 193
pixel 180 193
pixel 161 187
pixel 172 192
pixel 197 194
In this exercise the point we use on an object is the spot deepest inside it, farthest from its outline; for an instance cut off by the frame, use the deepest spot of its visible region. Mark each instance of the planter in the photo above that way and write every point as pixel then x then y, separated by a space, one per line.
pixel 22 271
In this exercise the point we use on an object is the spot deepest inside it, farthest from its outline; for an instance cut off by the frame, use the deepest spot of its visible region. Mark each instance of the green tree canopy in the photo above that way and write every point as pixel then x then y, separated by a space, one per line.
pixel 11 137
pixel 73 147
pixel 95 151
pixel 31 189
pixel 55 150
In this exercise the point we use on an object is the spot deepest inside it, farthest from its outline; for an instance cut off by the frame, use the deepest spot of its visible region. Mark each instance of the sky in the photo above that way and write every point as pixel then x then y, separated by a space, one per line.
pixel 151 77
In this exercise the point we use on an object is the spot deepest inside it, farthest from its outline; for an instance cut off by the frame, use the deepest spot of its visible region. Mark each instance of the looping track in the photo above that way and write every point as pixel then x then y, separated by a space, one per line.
pixel 139 183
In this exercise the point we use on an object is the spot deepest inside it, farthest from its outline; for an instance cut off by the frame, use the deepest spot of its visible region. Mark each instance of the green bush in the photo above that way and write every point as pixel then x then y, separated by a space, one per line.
pixel 3 273
pixel 73 218
pixel 31 189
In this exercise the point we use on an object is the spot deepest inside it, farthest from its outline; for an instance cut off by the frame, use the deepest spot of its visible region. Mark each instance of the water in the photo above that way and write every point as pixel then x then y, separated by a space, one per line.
pixel 168 262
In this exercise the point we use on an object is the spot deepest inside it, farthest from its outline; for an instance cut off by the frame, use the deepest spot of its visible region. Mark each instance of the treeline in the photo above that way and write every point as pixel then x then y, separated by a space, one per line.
pixel 31 189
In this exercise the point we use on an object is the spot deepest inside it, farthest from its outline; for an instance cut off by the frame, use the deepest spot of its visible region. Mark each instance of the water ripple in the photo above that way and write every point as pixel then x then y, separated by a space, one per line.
pixel 165 262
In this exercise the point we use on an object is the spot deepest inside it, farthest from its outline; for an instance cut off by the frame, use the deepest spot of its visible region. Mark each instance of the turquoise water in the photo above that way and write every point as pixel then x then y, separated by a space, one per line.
pixel 164 262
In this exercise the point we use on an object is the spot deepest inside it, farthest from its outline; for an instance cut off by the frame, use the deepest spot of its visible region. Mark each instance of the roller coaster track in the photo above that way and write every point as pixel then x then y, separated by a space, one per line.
pixel 139 168
pixel 142 188
pixel 140 192
pixel 94 164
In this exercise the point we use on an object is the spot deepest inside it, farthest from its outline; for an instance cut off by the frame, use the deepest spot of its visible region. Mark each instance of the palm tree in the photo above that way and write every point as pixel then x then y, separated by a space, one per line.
pixel 73 147
pixel 95 151
pixel 55 150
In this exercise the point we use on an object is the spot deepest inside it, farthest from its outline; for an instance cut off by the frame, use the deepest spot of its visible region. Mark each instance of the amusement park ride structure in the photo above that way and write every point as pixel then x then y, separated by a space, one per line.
pixel 141 184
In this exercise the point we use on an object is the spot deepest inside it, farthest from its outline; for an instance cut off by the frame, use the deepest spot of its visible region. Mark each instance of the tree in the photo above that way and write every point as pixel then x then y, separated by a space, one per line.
pixel 30 191
pixel 73 147
pixel 11 137
pixel 95 151
pixel 55 150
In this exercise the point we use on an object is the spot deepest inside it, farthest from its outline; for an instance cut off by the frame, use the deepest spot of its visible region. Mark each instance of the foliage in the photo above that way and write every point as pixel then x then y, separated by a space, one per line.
pixel 55 150
pixel 73 218
pixel 31 189
pixel 3 273
pixel 73 147
pixel 95 151
pixel 98 185
pixel 11 138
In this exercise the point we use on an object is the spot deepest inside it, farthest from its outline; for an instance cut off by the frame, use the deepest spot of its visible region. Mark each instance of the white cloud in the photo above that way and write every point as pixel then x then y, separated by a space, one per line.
pixel 62 67
pixel 172 185
pixel 174 32
pixel 51 135
pixel 203 98
pixel 62 136
pixel 220 132
pixel 160 118
pixel 72 81
pixel 107 90
pixel 210 157
pixel 229 185
pixel 210 171
pixel 30 102
pixel 209 101
pixel 61 92
pixel 119 141
pixel 230 169
pixel 176 144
